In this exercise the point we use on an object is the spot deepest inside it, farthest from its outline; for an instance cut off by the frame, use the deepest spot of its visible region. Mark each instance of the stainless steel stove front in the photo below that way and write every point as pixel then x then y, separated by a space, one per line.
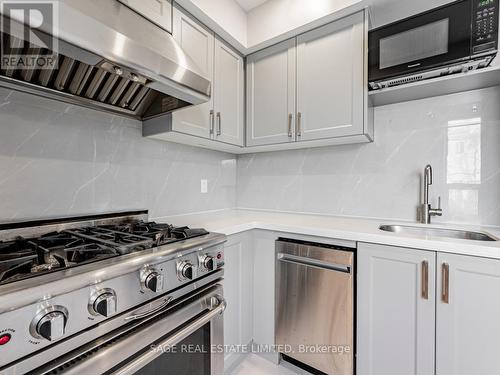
pixel 185 336
pixel 48 315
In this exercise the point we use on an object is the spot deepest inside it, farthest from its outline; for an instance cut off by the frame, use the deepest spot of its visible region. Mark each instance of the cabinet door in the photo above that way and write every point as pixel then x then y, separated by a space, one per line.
pixel 468 325
pixel 157 11
pixel 238 292
pixel 198 43
pixel 395 318
pixel 264 290
pixel 271 95
pixel 330 80
pixel 228 95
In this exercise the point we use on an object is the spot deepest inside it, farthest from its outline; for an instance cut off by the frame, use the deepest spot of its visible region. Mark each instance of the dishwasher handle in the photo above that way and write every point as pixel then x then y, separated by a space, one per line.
pixel 316 263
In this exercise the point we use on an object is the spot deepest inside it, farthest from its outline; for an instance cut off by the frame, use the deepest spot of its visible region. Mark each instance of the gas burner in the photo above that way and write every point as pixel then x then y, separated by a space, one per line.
pixel 16 257
pixel 57 250
pixel 159 233
pixel 23 258
pixel 16 249
pixel 181 233
pixel 122 240
pixel 165 233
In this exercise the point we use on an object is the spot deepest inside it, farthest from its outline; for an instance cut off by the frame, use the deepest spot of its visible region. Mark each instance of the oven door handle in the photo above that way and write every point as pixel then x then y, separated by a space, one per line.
pixel 147 313
pixel 141 361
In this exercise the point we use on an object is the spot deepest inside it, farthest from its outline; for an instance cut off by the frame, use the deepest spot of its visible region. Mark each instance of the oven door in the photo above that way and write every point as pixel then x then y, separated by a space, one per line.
pixel 429 40
pixel 186 339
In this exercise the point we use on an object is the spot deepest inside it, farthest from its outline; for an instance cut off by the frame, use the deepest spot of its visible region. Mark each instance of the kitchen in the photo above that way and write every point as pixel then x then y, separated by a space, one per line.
pixel 327 202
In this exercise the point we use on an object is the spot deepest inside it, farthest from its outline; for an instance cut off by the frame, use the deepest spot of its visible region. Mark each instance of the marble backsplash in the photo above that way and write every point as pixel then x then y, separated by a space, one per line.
pixel 57 159
pixel 458 134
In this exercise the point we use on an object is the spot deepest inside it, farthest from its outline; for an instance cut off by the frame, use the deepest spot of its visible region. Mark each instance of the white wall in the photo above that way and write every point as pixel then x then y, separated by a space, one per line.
pixel 276 17
pixel 276 20
pixel 458 134
pixel 57 159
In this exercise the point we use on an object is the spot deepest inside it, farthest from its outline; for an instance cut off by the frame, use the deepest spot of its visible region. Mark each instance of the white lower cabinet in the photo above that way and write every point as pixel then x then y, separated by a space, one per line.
pixel 455 331
pixel 264 287
pixel 395 311
pixel 238 292
pixel 249 292
pixel 468 316
pixel 419 312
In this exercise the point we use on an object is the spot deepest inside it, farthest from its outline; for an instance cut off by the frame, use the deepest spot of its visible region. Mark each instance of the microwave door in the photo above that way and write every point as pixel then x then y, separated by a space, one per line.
pixel 429 40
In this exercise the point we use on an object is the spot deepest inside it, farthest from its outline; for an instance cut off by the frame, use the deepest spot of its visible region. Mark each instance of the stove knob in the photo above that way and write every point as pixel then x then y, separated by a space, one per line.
pixel 50 323
pixel 152 280
pixel 208 262
pixel 186 270
pixel 103 303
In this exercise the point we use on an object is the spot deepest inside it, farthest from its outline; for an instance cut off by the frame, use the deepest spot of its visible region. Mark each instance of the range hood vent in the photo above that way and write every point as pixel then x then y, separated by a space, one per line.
pixel 84 78
pixel 106 87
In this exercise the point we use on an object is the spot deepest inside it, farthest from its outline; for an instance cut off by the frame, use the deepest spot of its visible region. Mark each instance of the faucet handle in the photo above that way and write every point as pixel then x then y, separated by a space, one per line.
pixel 436 211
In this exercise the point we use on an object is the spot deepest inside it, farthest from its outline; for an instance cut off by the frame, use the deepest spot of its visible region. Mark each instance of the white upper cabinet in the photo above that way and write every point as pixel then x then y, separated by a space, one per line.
pixel 396 311
pixel 308 91
pixel 228 95
pixel 222 117
pixel 271 95
pixel 311 90
pixel 468 326
pixel 198 43
pixel 330 80
pixel 157 11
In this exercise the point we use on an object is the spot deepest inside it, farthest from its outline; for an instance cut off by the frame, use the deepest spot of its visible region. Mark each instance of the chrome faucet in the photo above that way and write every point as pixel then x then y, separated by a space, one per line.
pixel 426 211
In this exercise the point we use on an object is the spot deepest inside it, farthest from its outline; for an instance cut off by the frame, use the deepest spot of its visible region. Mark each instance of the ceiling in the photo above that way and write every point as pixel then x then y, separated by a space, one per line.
pixel 248 5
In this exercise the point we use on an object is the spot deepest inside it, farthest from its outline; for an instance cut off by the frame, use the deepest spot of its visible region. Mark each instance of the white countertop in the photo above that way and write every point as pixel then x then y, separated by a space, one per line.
pixel 235 221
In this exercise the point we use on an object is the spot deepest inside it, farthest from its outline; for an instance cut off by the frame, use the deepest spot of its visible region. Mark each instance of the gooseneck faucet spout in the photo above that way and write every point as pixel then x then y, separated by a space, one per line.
pixel 426 211
pixel 427 182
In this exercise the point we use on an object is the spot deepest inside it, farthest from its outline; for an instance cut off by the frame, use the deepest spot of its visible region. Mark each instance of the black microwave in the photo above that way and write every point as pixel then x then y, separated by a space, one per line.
pixel 456 37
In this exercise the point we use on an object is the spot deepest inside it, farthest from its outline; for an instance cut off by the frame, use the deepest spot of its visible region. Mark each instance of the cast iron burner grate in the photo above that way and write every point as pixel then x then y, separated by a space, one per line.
pixel 159 233
pixel 24 258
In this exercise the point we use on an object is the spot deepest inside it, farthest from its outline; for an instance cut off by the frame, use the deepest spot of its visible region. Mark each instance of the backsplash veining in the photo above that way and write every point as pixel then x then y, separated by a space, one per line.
pixel 458 134
pixel 57 159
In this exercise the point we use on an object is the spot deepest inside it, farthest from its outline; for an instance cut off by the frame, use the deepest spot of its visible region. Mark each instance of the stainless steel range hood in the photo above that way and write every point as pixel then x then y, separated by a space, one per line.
pixel 109 58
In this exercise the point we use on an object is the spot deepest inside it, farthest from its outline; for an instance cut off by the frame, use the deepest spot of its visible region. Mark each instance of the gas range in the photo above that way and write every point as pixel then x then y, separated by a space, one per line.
pixel 27 257
pixel 63 279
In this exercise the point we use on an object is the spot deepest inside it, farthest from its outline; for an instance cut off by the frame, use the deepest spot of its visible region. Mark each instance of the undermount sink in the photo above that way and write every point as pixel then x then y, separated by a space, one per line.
pixel 437 232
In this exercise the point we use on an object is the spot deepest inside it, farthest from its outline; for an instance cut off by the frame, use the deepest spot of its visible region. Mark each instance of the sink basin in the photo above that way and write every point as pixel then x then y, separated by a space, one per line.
pixel 437 232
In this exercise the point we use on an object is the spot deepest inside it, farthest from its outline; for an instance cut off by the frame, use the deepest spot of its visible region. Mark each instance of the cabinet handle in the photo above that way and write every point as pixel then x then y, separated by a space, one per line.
pixel 425 279
pixel 290 120
pixel 445 277
pixel 219 126
pixel 212 120
pixel 299 124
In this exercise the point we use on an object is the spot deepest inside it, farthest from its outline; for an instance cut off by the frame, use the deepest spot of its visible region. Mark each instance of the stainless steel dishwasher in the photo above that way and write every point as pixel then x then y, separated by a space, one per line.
pixel 315 305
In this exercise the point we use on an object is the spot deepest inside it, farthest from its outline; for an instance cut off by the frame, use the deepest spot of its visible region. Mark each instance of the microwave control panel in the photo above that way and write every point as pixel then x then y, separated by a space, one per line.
pixel 485 26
